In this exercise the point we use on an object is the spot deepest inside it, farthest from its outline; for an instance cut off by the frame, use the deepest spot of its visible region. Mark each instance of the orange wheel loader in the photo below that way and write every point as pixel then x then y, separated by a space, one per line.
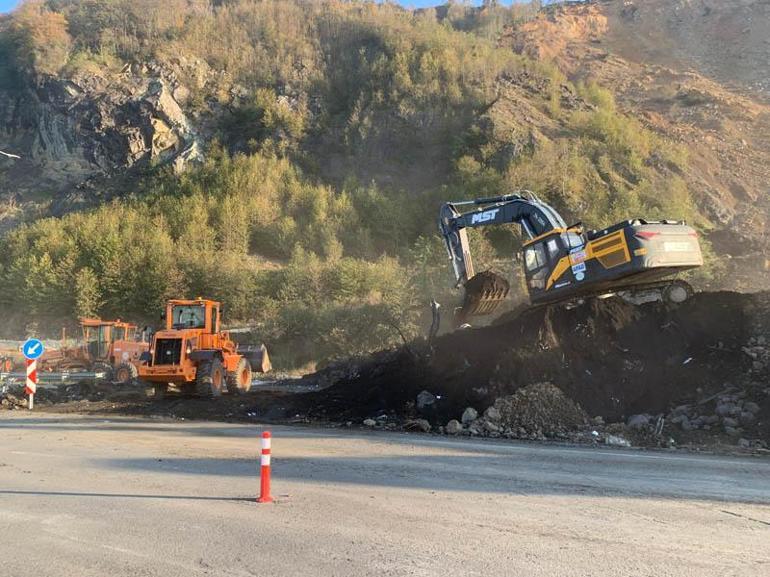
pixel 193 354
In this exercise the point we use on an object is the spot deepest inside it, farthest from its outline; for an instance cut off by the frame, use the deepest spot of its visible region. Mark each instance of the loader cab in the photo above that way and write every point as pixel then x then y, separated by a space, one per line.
pixel 199 314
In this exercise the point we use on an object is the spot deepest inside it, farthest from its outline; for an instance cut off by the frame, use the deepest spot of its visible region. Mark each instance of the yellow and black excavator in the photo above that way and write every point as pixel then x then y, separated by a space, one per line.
pixel 635 258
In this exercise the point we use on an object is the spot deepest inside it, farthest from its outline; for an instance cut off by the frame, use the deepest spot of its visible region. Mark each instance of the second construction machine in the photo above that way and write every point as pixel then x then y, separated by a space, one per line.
pixel 109 347
pixel 635 258
pixel 195 355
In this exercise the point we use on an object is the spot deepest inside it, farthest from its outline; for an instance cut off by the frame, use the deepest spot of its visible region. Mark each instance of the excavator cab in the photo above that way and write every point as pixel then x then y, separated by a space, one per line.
pixel 542 257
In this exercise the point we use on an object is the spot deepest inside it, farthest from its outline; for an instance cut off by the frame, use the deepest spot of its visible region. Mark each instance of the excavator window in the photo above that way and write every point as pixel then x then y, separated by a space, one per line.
pixel 188 317
pixel 553 248
pixel 534 256
pixel 572 240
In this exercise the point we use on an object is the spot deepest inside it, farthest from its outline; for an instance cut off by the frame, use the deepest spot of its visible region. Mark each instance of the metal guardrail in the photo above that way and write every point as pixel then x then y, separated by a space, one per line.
pixel 45 378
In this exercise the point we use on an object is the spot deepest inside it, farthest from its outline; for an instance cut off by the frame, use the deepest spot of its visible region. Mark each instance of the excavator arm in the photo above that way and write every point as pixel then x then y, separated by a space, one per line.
pixel 534 216
pixel 485 291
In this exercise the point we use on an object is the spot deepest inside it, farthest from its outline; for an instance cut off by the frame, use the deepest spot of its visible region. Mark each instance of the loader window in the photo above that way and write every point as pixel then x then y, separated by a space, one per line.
pixel 118 333
pixel 534 256
pixel 96 341
pixel 189 317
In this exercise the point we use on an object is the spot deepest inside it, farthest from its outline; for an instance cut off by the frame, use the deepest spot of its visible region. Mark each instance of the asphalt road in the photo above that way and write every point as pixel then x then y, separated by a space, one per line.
pixel 124 497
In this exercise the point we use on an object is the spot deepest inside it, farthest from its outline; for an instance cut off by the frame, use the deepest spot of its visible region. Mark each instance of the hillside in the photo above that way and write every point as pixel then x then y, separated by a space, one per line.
pixel 289 157
pixel 693 72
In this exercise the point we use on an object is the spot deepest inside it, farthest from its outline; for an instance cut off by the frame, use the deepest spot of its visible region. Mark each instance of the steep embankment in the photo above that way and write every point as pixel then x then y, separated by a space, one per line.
pixel 693 72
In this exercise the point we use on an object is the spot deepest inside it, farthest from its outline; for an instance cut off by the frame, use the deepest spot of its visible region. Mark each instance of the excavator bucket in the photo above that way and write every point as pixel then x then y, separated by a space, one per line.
pixel 484 293
pixel 258 358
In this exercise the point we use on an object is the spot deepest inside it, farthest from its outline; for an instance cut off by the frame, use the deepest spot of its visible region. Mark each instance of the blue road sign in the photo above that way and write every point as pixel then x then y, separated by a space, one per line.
pixel 32 349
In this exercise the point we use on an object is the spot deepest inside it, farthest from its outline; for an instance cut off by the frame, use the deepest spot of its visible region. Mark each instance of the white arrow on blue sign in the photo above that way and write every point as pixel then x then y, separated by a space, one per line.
pixel 32 349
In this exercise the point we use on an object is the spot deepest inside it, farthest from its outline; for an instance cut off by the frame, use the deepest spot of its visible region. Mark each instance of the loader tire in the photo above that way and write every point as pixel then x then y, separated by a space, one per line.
pixel 210 378
pixel 100 367
pixel 239 381
pixel 126 374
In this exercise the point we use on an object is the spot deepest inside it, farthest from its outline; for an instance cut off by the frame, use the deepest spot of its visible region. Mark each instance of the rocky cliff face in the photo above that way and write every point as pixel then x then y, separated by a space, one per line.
pixel 75 133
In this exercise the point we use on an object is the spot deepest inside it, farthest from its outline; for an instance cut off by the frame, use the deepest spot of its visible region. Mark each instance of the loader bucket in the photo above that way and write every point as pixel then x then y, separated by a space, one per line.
pixel 484 293
pixel 259 359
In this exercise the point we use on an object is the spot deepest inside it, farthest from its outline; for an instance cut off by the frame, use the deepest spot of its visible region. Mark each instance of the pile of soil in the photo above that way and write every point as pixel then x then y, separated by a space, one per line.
pixel 541 409
pixel 612 358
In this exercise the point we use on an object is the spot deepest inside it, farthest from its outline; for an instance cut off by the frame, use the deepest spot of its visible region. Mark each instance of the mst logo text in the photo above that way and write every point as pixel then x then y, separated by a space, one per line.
pixel 485 216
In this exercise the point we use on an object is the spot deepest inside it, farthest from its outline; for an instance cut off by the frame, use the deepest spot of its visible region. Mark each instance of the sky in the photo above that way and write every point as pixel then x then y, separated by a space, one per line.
pixel 7 5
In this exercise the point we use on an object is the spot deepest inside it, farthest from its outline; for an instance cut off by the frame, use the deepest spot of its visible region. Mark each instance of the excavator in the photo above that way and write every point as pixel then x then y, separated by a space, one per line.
pixel 635 259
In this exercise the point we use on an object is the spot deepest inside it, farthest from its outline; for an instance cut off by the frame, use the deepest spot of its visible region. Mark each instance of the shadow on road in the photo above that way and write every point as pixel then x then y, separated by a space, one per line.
pixel 436 463
pixel 544 473
pixel 123 495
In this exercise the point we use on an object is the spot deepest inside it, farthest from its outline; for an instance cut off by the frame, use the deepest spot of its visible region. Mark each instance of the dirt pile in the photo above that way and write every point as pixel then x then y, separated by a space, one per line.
pixel 540 409
pixel 613 359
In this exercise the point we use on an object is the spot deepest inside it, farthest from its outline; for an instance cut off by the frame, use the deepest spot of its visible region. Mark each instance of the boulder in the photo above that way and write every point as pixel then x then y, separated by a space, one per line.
pixel 637 422
pixel 492 414
pixel 747 418
pixel 751 407
pixel 425 400
pixel 453 427
pixel 469 415
pixel 370 422
pixel 729 422
pixel 616 441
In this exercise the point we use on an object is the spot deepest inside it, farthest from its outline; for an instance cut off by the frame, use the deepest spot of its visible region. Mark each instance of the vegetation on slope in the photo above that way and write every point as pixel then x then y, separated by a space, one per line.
pixel 323 264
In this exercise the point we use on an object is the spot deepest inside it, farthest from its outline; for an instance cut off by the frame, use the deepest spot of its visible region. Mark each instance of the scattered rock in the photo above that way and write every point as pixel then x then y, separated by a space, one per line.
pixel 370 423
pixel 469 415
pixel 541 409
pixel 453 427
pixel 417 425
pixel 637 422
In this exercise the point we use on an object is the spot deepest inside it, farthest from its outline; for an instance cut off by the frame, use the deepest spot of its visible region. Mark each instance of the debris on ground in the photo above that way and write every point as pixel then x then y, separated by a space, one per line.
pixel 602 372
pixel 628 367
